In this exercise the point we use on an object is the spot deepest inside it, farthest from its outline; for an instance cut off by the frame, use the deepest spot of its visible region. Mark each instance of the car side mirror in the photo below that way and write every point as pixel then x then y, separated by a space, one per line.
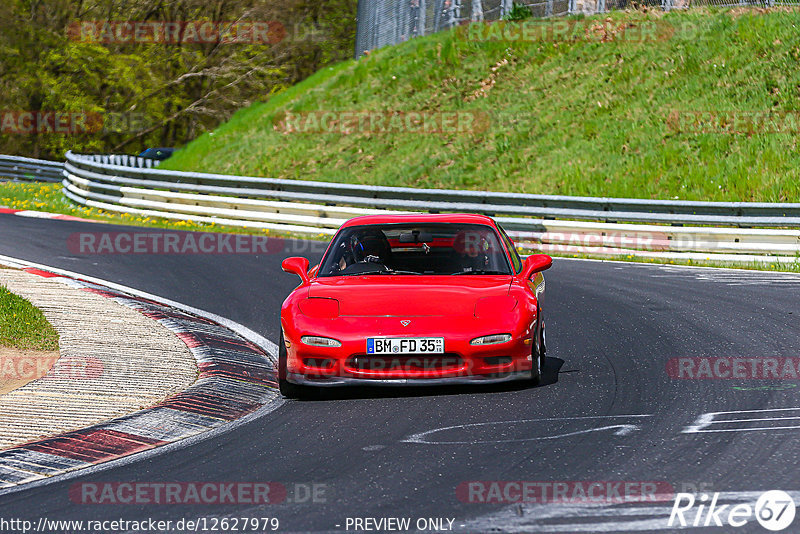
pixel 297 265
pixel 534 264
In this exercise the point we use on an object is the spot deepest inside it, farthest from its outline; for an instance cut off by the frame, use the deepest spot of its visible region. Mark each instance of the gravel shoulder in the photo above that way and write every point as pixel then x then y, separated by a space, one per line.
pixel 112 361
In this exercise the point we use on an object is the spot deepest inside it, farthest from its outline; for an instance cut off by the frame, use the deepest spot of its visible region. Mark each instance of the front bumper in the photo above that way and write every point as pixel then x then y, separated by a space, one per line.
pixel 460 363
pixel 333 381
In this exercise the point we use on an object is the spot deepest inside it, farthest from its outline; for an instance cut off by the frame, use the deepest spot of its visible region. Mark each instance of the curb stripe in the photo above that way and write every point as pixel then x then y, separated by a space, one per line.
pixel 39 272
pixel 164 424
pixel 57 216
pixel 46 215
pixel 238 372
pixel 47 461
pixel 236 378
pixel 93 444
pixel 10 476
pixel 209 407
pixel 189 339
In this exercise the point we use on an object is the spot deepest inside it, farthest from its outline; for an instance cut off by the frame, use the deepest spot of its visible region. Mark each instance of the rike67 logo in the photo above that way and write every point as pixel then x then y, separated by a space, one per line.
pixel 774 510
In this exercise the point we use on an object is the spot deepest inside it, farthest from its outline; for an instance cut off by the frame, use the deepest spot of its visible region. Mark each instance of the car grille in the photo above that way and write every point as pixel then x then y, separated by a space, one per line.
pixel 498 360
pixel 406 362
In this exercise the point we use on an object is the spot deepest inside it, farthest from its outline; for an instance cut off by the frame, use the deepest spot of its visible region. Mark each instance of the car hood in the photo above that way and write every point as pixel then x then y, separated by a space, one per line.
pixel 408 295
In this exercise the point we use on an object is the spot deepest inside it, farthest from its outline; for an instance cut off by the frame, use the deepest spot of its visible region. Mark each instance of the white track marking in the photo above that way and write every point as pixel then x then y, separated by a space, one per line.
pixel 622 430
pixel 726 275
pixel 593 517
pixel 740 277
pixel 703 421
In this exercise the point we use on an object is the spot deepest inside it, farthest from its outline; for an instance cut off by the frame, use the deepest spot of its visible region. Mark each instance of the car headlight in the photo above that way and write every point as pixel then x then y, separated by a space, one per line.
pixel 316 341
pixel 493 339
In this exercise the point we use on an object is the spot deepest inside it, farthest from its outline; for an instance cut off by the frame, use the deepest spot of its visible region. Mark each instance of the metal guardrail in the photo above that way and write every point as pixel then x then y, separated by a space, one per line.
pixel 540 222
pixel 109 173
pixel 28 169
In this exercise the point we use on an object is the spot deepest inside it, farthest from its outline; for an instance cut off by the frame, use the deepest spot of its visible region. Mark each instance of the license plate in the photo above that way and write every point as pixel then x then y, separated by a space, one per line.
pixel 405 345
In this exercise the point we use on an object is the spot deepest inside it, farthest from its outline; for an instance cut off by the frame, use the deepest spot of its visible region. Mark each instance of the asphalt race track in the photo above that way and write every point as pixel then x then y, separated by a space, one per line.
pixel 607 411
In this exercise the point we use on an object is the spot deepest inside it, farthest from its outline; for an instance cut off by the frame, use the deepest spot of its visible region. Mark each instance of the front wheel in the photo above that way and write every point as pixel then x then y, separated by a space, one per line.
pixel 538 356
pixel 536 368
pixel 542 347
pixel 287 389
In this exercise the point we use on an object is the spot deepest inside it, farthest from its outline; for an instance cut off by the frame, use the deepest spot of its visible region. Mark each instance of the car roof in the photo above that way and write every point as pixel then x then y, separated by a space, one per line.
pixel 455 218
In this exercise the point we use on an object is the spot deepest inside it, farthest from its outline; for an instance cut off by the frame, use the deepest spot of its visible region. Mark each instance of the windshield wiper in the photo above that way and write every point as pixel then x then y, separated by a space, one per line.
pixel 479 272
pixel 363 272
pixel 388 271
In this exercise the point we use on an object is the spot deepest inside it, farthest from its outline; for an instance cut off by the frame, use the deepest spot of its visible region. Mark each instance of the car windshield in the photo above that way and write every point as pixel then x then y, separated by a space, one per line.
pixel 413 249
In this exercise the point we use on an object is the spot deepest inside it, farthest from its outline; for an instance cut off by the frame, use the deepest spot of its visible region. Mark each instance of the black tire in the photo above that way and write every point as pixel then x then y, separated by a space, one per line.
pixel 287 389
pixel 538 356
pixel 542 347
pixel 536 375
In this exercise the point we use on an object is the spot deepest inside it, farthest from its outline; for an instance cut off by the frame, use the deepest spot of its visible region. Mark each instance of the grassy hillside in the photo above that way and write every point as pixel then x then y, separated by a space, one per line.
pixel 576 117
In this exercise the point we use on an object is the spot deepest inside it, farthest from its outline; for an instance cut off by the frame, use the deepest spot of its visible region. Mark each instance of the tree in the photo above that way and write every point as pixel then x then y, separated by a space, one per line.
pixel 64 56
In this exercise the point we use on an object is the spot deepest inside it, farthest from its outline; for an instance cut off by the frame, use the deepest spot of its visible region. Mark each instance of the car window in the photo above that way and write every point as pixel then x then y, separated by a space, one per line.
pixel 433 249
pixel 512 251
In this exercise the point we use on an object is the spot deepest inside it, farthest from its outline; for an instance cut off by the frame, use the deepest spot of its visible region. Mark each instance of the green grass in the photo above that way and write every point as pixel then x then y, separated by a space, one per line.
pixel 577 118
pixel 22 326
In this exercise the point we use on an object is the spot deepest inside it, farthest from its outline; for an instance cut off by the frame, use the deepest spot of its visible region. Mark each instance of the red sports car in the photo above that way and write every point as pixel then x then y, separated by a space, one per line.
pixel 414 300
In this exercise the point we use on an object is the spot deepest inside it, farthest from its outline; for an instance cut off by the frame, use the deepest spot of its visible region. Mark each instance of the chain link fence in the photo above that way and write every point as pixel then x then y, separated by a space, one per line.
pixel 386 22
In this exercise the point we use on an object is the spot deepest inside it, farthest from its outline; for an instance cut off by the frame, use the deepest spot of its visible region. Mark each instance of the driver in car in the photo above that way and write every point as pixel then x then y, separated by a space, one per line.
pixel 366 247
pixel 472 248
